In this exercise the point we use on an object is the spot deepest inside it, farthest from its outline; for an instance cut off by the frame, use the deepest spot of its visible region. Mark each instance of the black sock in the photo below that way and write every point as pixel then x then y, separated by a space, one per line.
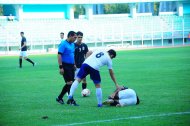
pixel 64 90
pixel 30 61
pixel 84 86
pixel 20 62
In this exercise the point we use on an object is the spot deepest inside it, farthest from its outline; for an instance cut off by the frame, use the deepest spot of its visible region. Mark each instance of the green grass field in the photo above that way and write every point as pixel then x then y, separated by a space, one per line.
pixel 161 78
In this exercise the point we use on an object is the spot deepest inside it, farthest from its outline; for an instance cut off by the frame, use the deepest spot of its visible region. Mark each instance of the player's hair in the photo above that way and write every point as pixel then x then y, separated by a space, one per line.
pixel 71 33
pixel 138 101
pixel 21 32
pixel 62 33
pixel 79 33
pixel 112 52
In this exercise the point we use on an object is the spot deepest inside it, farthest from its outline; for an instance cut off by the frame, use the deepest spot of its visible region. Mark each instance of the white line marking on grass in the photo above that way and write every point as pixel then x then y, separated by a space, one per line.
pixel 132 117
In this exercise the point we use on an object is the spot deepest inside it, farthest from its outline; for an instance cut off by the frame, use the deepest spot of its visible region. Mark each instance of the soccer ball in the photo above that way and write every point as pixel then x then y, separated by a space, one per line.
pixel 85 93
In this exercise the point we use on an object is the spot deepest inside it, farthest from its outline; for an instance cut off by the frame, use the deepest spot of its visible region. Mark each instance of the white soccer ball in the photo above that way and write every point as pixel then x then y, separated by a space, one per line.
pixel 85 93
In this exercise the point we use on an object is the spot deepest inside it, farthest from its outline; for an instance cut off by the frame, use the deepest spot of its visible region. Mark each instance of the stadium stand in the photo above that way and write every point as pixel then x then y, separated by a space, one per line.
pixel 103 31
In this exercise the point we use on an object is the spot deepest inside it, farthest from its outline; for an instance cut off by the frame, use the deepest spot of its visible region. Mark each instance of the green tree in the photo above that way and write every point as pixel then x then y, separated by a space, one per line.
pixel 78 10
pixel 116 8
pixel 156 8
pixel 1 10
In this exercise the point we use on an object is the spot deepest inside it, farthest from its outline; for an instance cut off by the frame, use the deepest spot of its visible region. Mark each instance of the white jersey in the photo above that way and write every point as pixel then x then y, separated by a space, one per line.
pixel 127 97
pixel 98 59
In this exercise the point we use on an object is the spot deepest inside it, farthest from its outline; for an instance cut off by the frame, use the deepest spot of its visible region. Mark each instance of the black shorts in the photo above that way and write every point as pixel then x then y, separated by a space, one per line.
pixel 69 72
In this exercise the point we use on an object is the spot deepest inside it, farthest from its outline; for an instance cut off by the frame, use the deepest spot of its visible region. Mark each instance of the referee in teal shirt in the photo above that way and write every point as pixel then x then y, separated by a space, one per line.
pixel 66 63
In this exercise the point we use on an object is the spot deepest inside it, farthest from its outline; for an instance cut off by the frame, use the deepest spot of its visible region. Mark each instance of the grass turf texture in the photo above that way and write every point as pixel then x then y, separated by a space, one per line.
pixel 160 77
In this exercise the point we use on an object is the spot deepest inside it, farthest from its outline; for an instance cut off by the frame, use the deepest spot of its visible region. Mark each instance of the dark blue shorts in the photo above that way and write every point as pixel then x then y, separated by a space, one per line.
pixel 94 74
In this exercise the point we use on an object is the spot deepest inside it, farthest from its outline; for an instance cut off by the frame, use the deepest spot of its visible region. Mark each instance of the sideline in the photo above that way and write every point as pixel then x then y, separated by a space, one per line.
pixel 132 117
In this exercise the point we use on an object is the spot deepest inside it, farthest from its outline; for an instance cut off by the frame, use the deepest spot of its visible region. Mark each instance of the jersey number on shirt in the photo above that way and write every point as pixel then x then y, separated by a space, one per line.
pixel 99 55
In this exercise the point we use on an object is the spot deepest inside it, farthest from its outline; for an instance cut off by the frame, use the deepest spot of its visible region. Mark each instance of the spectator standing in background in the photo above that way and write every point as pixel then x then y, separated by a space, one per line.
pixel 62 36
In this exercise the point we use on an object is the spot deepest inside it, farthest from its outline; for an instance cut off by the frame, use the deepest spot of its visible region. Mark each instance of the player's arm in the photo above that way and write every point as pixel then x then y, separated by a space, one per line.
pixel 114 93
pixel 23 46
pixel 88 54
pixel 86 50
pixel 113 77
pixel 75 66
pixel 61 71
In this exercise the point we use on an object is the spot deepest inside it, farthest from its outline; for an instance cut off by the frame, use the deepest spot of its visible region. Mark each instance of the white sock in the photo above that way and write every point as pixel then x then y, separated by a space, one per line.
pixel 99 95
pixel 73 88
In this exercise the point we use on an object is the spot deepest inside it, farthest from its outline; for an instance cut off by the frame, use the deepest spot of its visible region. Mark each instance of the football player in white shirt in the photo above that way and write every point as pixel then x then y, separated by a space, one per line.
pixel 91 66
pixel 123 97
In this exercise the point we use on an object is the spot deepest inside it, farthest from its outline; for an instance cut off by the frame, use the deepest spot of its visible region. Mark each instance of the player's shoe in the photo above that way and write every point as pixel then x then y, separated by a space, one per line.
pixel 108 102
pixel 71 101
pixel 34 64
pixel 99 105
pixel 60 100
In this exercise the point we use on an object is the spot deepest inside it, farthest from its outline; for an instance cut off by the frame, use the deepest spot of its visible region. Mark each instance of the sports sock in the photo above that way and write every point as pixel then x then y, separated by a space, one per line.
pixel 20 62
pixel 99 95
pixel 68 88
pixel 64 90
pixel 30 61
pixel 73 88
pixel 84 86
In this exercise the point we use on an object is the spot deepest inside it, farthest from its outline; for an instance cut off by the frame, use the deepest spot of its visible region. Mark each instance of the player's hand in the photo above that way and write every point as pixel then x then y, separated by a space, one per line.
pixel 61 71
pixel 119 87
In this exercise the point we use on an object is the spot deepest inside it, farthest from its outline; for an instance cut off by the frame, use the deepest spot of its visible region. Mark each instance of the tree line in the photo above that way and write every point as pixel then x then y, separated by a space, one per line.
pixel 107 9
pixel 113 9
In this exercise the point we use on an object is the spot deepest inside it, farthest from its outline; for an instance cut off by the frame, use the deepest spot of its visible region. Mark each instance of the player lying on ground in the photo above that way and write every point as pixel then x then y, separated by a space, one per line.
pixel 122 97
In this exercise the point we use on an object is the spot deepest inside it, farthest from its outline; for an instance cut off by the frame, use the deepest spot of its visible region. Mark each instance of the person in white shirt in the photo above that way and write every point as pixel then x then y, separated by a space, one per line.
pixel 62 36
pixel 91 66
pixel 123 97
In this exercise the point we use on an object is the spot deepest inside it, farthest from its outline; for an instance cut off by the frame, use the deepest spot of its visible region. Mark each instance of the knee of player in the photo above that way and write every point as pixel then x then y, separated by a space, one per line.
pixel 69 82
pixel 97 86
